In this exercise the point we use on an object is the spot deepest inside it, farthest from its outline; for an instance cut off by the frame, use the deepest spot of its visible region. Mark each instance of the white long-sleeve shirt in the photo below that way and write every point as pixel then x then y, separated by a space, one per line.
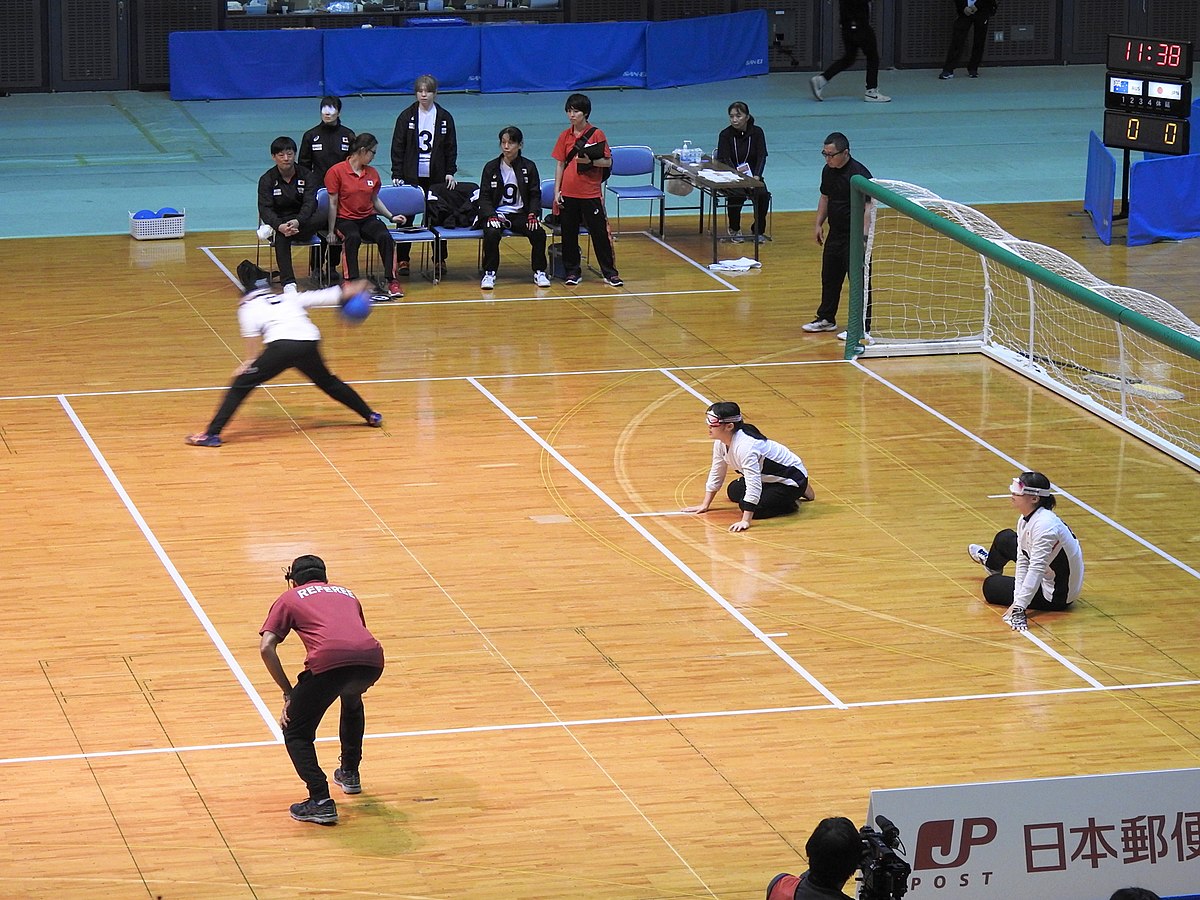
pixel 757 461
pixel 283 317
pixel 1048 558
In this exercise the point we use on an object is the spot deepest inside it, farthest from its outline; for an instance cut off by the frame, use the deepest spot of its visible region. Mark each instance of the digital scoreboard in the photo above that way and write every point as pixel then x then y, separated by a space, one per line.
pixel 1148 94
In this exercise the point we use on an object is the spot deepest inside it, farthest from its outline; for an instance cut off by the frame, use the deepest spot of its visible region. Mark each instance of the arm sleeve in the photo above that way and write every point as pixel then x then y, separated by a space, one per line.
pixel 308 207
pixel 451 145
pixel 724 147
pixel 1042 546
pixel 533 205
pixel 304 157
pixel 486 203
pixel 716 475
pixel 398 138
pixel 266 202
pixel 751 469
pixel 324 297
pixel 760 157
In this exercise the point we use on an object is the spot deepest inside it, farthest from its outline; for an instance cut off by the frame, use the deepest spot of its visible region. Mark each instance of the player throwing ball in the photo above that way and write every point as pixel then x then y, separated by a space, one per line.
pixel 280 336
pixel 773 479
pixel 1047 553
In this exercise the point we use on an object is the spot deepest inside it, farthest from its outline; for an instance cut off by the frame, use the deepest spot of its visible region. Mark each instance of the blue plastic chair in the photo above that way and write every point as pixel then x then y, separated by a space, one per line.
pixel 630 161
pixel 409 200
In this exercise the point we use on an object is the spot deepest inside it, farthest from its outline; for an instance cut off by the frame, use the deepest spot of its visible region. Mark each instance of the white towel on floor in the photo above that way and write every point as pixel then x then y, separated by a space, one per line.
pixel 745 264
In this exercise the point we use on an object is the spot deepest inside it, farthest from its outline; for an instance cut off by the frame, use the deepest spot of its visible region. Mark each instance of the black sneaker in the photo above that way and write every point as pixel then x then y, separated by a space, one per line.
pixel 349 782
pixel 613 281
pixel 573 279
pixel 323 813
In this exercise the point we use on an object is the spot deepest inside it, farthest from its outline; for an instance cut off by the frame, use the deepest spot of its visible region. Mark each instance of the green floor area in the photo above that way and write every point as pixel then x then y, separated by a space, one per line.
pixel 79 163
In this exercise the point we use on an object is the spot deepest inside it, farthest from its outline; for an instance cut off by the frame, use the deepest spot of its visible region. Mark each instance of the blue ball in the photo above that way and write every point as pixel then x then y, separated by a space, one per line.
pixel 145 214
pixel 167 211
pixel 357 307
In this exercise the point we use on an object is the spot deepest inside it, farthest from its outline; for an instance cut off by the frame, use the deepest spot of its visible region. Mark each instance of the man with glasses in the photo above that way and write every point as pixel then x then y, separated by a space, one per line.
pixel 287 205
pixel 834 208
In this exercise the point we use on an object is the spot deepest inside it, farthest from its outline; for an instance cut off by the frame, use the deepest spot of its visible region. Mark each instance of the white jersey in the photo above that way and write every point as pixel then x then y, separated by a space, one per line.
pixel 283 317
pixel 426 134
pixel 1049 558
pixel 511 194
pixel 757 461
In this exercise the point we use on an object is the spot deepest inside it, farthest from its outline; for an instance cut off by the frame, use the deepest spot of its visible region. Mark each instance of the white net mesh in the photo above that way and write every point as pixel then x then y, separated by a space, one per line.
pixel 932 293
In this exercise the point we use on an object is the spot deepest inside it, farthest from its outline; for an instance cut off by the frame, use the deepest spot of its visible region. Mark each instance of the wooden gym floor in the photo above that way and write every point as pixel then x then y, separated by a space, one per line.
pixel 586 693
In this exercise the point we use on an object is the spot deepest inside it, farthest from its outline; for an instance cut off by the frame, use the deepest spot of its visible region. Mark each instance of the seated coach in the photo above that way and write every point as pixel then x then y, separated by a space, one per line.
pixel 287 204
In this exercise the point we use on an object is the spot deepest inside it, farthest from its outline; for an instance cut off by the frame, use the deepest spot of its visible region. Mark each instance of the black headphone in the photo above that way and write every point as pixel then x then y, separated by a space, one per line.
pixel 305 569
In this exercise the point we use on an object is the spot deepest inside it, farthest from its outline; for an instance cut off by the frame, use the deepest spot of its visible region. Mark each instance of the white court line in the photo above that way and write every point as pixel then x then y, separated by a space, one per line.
pixel 687 387
pixel 157 547
pixel 603 722
pixel 429 379
pixel 703 268
pixel 661 548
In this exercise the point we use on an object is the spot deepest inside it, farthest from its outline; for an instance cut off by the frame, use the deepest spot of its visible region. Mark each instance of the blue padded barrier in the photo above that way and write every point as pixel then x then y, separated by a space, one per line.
pixel 229 65
pixel 718 48
pixel 1100 188
pixel 568 57
pixel 1164 199
pixel 388 60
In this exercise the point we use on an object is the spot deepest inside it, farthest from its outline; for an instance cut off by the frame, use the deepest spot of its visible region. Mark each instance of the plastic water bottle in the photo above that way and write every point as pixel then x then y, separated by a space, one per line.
pixel 687 155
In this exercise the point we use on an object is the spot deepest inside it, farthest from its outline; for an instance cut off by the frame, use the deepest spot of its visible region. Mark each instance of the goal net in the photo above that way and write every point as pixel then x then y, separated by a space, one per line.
pixel 944 278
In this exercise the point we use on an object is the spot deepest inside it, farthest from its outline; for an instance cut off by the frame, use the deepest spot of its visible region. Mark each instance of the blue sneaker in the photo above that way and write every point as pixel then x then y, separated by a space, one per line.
pixel 203 440
pixel 349 782
pixel 375 420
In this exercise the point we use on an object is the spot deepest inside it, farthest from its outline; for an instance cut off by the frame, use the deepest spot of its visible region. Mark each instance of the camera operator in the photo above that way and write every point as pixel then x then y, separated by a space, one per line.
pixel 834 853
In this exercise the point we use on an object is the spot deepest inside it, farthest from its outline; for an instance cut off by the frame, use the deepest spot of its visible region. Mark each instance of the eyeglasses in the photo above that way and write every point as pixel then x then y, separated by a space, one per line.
pixel 828 155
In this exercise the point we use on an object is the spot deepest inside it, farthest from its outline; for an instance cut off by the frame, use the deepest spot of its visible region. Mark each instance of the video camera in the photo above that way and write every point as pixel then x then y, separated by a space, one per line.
pixel 884 873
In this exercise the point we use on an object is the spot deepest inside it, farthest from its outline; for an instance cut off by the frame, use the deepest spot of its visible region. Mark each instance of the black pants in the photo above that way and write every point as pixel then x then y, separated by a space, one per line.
pixel 311 698
pixel 1000 590
pixel 963 24
pixel 759 197
pixel 353 232
pixel 519 225
pixel 856 37
pixel 279 356
pixel 776 500
pixel 835 266
pixel 283 250
pixel 576 211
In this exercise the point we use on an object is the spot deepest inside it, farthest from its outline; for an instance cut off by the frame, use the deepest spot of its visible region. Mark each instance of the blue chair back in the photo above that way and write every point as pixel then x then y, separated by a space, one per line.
pixel 407 199
pixel 547 193
pixel 632 160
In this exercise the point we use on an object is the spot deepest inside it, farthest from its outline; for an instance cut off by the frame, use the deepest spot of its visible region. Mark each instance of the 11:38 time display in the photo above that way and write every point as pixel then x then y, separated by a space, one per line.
pixel 1150 57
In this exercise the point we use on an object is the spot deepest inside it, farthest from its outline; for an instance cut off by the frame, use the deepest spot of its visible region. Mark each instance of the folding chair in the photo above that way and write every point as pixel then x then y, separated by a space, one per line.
pixel 314 242
pixel 556 231
pixel 408 200
pixel 628 161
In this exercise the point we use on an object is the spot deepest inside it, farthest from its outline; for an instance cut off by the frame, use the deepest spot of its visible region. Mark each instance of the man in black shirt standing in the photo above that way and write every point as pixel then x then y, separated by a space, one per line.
pixel 287 204
pixel 834 208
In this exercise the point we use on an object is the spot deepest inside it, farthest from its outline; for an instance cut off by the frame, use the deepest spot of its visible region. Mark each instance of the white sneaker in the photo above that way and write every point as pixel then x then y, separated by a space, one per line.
pixel 866 338
pixel 873 96
pixel 817 83
pixel 290 288
pixel 541 279
pixel 819 325
pixel 736 237
pixel 979 553
pixel 488 282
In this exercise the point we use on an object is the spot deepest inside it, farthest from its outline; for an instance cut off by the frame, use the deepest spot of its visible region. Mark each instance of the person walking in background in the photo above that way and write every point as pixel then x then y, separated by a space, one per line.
pixel 342 660
pixel 1047 553
pixel 280 336
pixel 510 196
pixel 287 204
pixel 424 153
pixel 857 34
pixel 355 207
pixel 743 145
pixel 971 14
pixel 772 479
pixel 582 155
pixel 833 207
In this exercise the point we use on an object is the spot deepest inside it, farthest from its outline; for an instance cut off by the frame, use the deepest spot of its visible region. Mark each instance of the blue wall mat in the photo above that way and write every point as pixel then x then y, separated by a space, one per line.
pixel 1164 200
pixel 236 65
pixel 1101 186
pixel 388 60
pixel 572 57
pixel 718 48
